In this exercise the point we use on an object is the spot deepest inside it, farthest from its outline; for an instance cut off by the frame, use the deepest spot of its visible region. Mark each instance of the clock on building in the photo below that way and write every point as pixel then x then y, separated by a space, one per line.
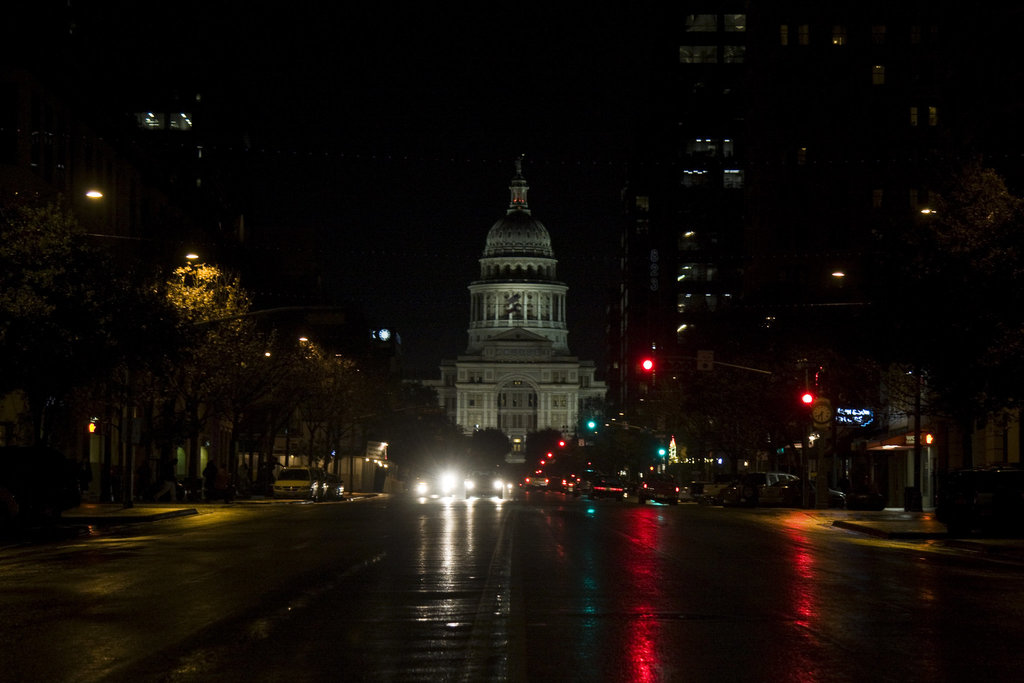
pixel 384 334
pixel 821 411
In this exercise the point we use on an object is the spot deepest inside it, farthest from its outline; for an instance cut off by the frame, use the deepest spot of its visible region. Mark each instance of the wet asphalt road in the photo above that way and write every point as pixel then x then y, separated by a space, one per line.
pixel 536 589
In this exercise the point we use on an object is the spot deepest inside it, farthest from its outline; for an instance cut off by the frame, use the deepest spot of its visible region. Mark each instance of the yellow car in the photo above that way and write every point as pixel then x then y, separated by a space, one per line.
pixel 304 483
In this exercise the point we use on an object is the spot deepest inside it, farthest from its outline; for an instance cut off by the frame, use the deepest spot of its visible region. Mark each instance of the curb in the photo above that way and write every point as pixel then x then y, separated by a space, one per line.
pixel 102 520
pixel 887 533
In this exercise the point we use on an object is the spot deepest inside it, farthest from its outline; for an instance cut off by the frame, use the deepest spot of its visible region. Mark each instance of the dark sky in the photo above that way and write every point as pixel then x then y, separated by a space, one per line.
pixel 382 137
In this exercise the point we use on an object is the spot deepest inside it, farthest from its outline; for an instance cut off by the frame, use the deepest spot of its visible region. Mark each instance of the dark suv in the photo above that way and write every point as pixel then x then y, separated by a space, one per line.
pixel 989 500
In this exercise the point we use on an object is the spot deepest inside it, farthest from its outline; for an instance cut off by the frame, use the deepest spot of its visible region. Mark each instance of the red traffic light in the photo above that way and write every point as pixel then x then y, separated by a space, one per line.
pixel 807 398
pixel 647 364
pixel 561 443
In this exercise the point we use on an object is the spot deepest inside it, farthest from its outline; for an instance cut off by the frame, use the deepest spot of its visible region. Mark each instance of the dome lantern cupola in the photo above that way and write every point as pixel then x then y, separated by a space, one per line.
pixel 518 233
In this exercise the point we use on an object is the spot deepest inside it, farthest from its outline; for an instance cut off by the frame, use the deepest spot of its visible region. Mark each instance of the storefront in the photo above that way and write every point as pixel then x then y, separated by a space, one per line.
pixel 903 473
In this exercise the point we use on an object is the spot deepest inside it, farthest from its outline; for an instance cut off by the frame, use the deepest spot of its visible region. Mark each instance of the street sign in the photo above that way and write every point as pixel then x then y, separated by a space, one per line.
pixel 705 360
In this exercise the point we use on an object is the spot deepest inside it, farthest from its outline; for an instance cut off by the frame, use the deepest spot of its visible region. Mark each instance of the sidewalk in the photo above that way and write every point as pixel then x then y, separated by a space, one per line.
pixel 897 524
pixel 100 514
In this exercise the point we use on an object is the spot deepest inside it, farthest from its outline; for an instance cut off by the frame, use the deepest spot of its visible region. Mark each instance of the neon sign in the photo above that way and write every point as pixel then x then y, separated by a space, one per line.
pixel 855 417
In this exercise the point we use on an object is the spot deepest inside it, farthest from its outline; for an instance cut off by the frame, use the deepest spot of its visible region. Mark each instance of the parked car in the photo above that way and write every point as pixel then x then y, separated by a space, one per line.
pixel 334 487
pixel 711 493
pixel 483 484
pixel 659 488
pixel 865 499
pixel 608 487
pixel 693 491
pixel 989 500
pixel 747 490
pixel 36 485
pixel 789 493
pixel 305 483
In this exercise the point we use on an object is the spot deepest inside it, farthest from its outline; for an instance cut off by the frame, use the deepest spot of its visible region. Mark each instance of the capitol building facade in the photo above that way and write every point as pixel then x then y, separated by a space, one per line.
pixel 517 373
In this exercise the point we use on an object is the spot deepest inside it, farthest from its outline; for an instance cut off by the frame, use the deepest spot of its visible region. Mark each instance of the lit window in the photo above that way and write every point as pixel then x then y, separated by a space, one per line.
pixel 801 156
pixel 784 35
pixel 694 178
pixel 839 35
pixel 150 121
pixel 913 117
pixel 732 178
pixel 734 54
pixel 698 54
pixel 933 116
pixel 702 147
pixel 878 75
pixel 180 121
pixel 878 34
pixel 804 34
pixel 876 198
pixel 735 23
pixel 701 22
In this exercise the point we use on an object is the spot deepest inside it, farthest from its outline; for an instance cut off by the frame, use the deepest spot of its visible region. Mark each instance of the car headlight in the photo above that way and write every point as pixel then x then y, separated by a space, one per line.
pixel 469 484
pixel 497 484
pixel 447 483
pixel 422 488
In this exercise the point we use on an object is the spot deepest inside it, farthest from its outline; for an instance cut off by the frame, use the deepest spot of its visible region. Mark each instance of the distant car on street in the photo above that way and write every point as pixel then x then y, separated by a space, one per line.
pixel 438 484
pixel 483 485
pixel 608 487
pixel 536 481
pixel 659 488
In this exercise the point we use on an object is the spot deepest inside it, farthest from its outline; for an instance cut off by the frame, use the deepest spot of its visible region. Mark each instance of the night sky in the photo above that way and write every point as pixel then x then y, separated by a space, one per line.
pixel 383 138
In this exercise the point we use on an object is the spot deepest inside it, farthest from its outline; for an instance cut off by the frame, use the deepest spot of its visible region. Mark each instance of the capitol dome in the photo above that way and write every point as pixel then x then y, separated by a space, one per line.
pixel 518 233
